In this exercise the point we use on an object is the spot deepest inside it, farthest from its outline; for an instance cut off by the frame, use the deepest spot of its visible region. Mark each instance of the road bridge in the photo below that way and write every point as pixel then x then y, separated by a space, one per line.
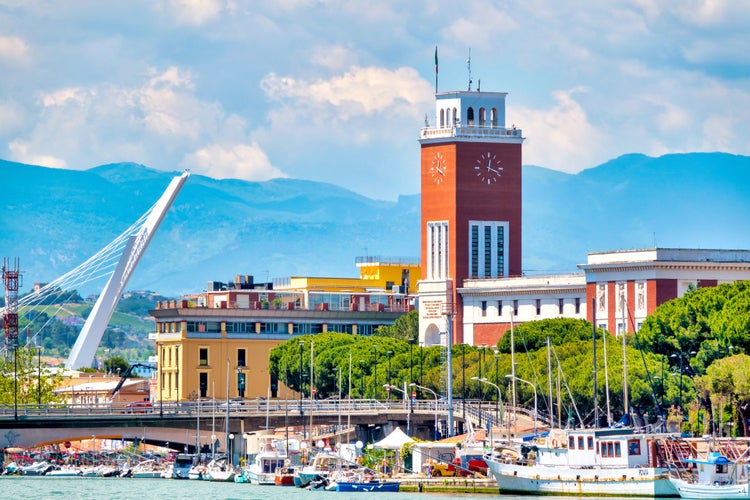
pixel 187 423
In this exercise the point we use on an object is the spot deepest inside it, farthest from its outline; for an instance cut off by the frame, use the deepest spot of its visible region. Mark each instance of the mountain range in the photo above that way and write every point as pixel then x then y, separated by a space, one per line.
pixel 53 219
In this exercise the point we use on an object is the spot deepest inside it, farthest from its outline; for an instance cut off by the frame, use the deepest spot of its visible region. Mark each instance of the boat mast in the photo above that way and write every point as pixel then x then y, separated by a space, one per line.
pixel 593 336
pixel 624 359
pixel 549 378
pixel 606 380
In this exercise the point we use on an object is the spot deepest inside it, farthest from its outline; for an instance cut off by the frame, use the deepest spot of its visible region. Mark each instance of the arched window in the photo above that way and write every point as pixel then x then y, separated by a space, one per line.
pixel 493 117
pixel 456 118
pixel 448 119
pixel 470 116
pixel 482 117
pixel 442 118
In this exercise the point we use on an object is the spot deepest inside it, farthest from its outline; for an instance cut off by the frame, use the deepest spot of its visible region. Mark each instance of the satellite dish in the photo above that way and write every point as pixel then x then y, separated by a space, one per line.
pixel 359 445
pixel 320 444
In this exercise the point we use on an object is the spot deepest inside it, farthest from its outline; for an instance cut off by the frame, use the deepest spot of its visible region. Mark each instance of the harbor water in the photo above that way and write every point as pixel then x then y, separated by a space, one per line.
pixel 104 488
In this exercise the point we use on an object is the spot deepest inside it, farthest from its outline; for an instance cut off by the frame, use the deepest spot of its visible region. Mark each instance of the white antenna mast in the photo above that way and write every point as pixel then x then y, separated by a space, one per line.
pixel 468 67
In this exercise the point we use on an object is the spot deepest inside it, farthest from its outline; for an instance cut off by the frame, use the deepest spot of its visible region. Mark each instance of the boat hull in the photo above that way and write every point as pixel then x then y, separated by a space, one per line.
pixel 711 491
pixel 621 482
pixel 386 486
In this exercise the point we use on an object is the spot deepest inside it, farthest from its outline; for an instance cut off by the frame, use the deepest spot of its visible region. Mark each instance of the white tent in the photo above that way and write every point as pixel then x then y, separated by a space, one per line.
pixel 393 441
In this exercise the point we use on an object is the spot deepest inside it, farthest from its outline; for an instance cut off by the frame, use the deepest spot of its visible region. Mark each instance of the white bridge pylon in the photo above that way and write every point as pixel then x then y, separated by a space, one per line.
pixel 82 353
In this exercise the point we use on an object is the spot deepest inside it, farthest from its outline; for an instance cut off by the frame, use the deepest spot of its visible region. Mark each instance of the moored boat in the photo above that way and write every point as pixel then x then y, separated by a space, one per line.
pixel 715 477
pixel 183 462
pixel 587 462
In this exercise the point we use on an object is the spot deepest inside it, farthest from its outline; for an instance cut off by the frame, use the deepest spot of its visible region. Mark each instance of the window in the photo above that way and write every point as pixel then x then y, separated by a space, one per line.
pixel 578 305
pixel 203 384
pixel 437 260
pixel 241 357
pixel 515 308
pixel 499 307
pixel 487 251
pixel 484 308
pixel 618 452
pixel 470 116
pixel 634 447
pixel 590 443
pixel 571 443
pixel 203 356
pixel 474 251
pixel 538 307
pixel 560 304
pixel 580 442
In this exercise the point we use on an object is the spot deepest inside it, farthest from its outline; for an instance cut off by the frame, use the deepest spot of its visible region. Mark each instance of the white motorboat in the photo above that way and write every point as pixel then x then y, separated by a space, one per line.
pixel 269 458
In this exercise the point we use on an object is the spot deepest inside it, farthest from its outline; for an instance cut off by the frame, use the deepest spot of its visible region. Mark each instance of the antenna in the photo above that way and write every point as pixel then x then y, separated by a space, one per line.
pixel 468 67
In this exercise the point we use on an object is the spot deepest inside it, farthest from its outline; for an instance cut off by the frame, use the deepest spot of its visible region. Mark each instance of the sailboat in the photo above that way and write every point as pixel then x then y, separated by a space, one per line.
pixel 588 462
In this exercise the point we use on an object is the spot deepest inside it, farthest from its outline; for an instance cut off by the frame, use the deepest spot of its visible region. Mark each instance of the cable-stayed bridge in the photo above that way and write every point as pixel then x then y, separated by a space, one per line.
pixel 117 260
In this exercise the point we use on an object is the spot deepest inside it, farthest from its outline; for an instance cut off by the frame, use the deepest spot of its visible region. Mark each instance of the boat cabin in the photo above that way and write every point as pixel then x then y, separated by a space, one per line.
pixel 596 448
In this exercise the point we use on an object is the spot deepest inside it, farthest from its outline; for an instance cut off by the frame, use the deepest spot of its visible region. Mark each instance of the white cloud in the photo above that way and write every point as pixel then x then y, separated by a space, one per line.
pixel 359 91
pixel 560 137
pixel 193 12
pixel 20 152
pixel 14 49
pixel 239 161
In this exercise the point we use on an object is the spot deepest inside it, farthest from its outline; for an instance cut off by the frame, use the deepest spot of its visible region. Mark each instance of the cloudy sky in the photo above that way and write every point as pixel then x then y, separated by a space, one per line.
pixel 336 91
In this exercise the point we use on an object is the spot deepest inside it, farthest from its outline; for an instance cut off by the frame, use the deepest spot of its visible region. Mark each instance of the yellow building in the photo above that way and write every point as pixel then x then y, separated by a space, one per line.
pixel 209 344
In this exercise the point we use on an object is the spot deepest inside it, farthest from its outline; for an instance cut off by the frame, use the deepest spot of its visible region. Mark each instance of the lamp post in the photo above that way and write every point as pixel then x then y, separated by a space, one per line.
pixel 390 388
pixel 231 449
pixel 375 372
pixel 39 374
pixel 535 398
pixel 680 356
pixel 411 375
pixel 390 355
pixel 436 404
pixel 499 396
pixel 421 344
pixel 301 344
pixel 362 379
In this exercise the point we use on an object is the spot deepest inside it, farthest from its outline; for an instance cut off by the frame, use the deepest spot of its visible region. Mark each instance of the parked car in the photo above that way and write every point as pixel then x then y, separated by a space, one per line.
pixel 139 407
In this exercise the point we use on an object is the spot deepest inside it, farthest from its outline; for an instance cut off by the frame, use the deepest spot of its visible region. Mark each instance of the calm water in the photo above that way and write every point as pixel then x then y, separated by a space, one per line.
pixel 104 488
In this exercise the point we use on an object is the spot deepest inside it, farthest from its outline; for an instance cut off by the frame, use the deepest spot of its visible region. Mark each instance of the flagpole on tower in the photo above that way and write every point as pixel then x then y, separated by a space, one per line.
pixel 436 70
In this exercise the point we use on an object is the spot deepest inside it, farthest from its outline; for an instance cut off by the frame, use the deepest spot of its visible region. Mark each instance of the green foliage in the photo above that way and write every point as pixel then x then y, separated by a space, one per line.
pixel 33 379
pixel 116 364
pixel 404 328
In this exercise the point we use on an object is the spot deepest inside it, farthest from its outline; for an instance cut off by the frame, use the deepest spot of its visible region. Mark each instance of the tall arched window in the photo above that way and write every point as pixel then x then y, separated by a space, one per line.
pixel 442 118
pixel 470 116
pixel 493 117
pixel 456 117
pixel 482 117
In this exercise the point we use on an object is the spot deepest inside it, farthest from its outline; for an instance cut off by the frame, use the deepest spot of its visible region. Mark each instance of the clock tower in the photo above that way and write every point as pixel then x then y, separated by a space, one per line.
pixel 471 205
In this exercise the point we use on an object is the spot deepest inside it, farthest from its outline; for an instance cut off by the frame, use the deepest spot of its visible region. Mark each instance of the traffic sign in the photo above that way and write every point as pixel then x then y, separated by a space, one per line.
pixel 387 388
pixel 414 395
pixel 314 390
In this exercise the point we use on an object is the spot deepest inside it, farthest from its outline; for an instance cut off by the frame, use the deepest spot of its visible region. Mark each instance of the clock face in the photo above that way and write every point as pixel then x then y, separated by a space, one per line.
pixel 439 168
pixel 488 168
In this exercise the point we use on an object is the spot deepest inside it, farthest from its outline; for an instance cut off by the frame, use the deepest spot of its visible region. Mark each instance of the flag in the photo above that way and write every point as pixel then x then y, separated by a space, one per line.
pixel 436 60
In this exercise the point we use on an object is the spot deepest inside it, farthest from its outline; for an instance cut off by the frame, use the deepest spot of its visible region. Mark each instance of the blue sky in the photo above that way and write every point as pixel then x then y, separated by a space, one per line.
pixel 336 91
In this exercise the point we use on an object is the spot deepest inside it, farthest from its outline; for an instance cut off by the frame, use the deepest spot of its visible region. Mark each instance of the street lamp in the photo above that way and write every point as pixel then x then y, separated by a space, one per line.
pixel 231 449
pixel 497 382
pixel 499 395
pixel 301 344
pixel 535 399
pixel 390 355
pixel 436 404
pixel 375 372
pixel 362 379
pixel 411 375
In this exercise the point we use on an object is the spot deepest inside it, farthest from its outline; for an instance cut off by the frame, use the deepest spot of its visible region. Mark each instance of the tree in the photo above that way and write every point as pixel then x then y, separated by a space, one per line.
pixel 29 381
pixel 116 364
pixel 404 328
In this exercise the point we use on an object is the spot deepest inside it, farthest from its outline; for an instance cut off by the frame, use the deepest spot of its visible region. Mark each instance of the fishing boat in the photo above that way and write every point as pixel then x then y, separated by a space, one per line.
pixel 587 462
pixel 715 477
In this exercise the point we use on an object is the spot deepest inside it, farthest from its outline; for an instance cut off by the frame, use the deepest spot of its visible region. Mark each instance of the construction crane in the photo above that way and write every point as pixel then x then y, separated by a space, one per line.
pixel 126 375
